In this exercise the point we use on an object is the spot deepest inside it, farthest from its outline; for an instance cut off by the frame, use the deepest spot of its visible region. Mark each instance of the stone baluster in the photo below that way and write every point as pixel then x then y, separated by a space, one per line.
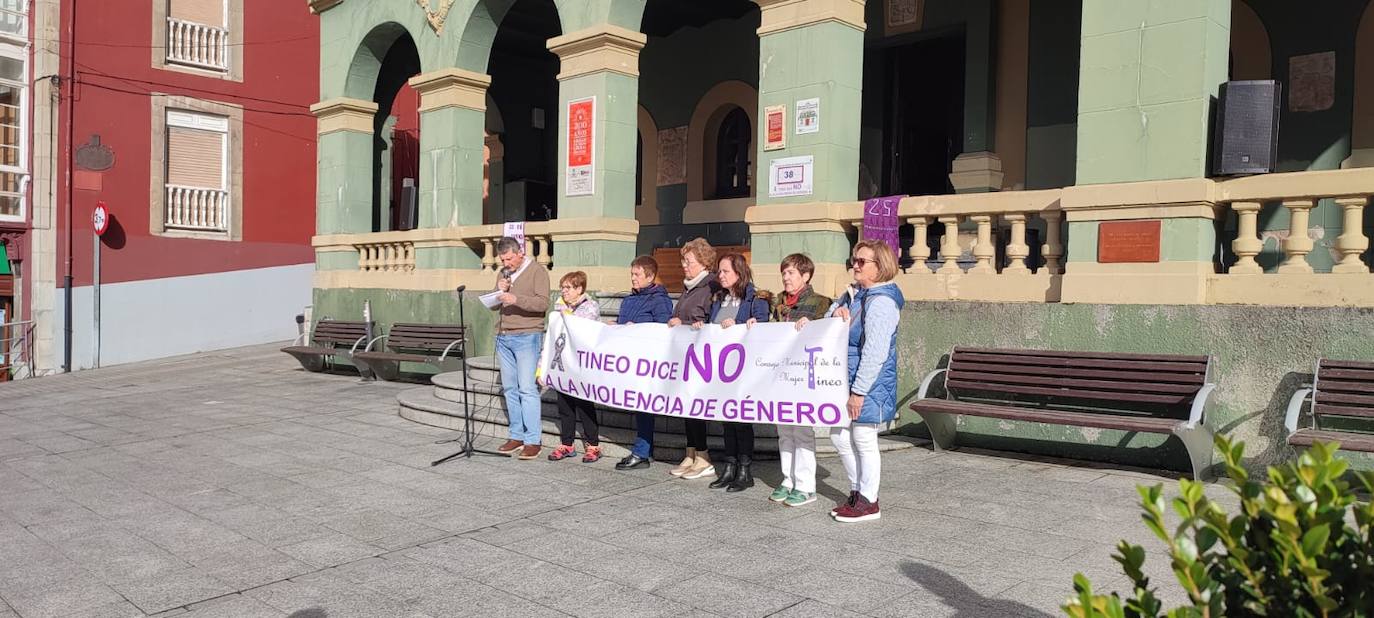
pixel 1053 249
pixel 1017 249
pixel 1298 244
pixel 920 250
pixel 1352 242
pixel 949 246
pixel 545 246
pixel 1247 244
pixel 984 250
pixel 488 255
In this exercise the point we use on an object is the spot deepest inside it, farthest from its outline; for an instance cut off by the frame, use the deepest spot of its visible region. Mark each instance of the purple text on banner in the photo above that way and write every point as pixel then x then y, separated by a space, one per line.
pixel 880 221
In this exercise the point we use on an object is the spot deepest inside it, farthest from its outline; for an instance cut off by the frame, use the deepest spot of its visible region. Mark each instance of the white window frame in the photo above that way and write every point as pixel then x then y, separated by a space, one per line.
pixel 199 121
pixel 21 54
pixel 21 37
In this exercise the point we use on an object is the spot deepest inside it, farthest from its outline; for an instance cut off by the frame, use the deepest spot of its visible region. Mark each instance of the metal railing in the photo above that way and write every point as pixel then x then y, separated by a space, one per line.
pixel 196 208
pixel 197 45
pixel 16 349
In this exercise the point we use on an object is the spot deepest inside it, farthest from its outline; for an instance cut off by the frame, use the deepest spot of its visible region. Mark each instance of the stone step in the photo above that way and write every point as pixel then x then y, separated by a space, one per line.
pixel 444 408
pixel 482 368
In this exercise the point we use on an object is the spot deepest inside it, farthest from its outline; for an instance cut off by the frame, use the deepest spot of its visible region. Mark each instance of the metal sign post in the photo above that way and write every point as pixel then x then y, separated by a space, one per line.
pixel 100 221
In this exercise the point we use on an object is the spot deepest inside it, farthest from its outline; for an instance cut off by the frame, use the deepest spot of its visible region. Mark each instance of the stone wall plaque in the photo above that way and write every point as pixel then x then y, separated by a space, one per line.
pixel 1127 241
pixel 902 16
pixel 672 156
pixel 1312 82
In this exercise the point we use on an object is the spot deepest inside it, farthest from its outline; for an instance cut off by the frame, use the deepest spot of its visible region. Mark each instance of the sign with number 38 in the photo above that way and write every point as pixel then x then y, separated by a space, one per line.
pixel 791 176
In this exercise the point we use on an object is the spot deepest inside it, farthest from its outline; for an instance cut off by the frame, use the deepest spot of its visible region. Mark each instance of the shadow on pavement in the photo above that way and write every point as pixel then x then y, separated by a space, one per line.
pixel 965 601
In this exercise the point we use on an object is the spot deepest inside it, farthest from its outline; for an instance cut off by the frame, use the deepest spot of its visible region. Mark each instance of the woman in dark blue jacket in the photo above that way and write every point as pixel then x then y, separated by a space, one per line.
pixel 737 303
pixel 648 302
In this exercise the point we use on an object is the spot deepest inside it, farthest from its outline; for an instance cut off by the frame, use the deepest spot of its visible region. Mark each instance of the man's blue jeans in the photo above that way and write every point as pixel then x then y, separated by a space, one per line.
pixel 518 355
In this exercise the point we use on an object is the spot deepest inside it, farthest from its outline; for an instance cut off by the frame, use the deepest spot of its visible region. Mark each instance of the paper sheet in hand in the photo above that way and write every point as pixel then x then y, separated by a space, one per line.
pixel 492 299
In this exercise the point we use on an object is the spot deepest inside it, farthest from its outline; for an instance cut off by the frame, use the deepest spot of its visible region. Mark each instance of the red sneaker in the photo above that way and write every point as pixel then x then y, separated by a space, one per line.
pixel 563 451
pixel 849 502
pixel 863 510
pixel 592 455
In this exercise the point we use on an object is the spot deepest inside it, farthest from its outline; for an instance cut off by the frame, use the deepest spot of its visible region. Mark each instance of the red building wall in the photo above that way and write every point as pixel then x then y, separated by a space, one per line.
pixel 114 79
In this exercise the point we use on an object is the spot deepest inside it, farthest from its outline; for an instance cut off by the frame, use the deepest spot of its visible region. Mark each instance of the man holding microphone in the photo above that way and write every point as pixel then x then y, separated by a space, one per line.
pixel 524 300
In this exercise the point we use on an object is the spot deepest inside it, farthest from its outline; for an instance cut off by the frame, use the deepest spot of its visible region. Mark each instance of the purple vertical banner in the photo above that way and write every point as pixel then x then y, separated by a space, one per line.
pixel 880 221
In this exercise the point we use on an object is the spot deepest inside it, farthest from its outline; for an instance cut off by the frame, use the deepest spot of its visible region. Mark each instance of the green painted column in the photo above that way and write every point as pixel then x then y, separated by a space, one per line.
pixel 599 73
pixel 808 49
pixel 1147 75
pixel 452 133
pixel 343 196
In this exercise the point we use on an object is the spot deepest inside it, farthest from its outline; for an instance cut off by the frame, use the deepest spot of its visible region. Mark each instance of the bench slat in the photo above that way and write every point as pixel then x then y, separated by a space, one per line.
pixel 1142 376
pixel 1096 395
pixel 1045 361
pixel 391 356
pixel 1141 386
pixel 1350 441
pixel 1343 398
pixel 1057 417
pixel 1332 410
pixel 1347 364
pixel 1345 386
pixel 1344 374
pixel 1086 355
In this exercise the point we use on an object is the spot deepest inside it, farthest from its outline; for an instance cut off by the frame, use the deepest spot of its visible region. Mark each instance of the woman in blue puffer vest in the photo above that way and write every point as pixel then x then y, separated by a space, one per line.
pixel 872 306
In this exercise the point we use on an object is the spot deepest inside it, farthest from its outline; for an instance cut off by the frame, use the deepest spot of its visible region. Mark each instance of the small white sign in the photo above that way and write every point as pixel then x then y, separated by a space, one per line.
pixel 516 230
pixel 791 176
pixel 808 116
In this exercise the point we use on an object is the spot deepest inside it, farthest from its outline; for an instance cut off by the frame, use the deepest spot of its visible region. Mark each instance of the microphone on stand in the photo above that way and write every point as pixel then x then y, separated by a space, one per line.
pixel 462 288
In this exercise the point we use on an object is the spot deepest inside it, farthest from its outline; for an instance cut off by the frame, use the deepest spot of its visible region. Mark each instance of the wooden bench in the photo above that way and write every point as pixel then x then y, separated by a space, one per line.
pixel 441 345
pixel 328 340
pixel 1342 393
pixel 1151 393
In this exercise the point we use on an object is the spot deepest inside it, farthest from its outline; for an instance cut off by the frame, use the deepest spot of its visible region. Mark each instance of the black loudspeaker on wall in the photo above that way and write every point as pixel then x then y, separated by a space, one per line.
pixel 1247 128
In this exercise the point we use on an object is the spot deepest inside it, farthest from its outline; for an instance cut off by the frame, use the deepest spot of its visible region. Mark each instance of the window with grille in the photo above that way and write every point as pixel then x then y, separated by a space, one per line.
pixel 13 118
pixel 197 172
pixel 198 33
pixel 733 155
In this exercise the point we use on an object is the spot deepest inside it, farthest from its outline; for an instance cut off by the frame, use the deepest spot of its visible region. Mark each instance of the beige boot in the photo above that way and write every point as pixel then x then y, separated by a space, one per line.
pixel 703 468
pixel 687 463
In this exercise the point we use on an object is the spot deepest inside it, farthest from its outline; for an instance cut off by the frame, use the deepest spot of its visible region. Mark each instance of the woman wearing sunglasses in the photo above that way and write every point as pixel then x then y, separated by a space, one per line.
pixel 872 306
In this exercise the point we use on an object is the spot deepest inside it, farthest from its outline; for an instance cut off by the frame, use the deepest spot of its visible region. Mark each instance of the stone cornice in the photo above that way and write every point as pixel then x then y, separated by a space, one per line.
pixel 344 114
pixel 452 87
pixel 597 49
pixel 780 15
pixel 320 6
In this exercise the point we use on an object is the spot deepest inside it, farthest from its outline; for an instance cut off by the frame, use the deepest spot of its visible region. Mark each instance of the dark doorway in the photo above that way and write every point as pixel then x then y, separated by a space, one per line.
pixel 524 86
pixel 401 63
pixel 924 95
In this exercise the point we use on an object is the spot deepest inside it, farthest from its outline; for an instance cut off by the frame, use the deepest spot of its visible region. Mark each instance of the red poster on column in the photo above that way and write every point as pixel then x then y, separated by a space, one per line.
pixel 581 147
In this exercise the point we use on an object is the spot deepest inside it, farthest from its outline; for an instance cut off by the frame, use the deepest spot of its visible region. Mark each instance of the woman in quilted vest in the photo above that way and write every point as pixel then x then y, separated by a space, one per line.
pixel 872 306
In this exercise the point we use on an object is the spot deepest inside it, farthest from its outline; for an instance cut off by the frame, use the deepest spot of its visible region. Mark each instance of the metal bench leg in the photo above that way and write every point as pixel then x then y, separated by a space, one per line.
pixel 311 362
pixel 1198 440
pixel 373 369
pixel 942 430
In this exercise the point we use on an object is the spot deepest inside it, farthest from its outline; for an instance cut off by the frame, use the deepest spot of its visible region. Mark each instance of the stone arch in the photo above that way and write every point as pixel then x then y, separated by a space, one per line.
pixel 1362 120
pixel 702 131
pixel 646 212
pixel 1251 56
pixel 366 66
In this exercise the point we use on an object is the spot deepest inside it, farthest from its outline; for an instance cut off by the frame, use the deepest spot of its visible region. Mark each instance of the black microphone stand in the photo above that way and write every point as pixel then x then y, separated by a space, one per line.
pixel 466 438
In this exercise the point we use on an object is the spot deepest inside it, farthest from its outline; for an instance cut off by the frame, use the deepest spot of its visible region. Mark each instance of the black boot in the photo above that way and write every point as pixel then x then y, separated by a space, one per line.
pixel 728 476
pixel 744 479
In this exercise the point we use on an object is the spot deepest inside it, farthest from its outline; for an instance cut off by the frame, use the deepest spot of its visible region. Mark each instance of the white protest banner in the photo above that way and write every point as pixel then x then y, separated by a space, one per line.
pixel 770 373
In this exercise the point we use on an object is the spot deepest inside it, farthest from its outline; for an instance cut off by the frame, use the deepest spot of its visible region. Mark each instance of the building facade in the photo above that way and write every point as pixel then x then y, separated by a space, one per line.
pixel 188 121
pixel 1055 159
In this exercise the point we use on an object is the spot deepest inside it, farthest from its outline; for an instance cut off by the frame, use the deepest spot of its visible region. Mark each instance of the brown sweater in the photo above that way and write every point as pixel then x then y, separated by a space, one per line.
pixel 526 314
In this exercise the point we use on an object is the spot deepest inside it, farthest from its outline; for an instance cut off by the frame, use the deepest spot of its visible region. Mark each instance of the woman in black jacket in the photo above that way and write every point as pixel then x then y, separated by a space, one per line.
pixel 694 306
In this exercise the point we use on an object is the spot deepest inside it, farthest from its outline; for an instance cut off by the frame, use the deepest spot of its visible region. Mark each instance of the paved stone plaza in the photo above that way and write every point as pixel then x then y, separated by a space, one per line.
pixel 235 484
